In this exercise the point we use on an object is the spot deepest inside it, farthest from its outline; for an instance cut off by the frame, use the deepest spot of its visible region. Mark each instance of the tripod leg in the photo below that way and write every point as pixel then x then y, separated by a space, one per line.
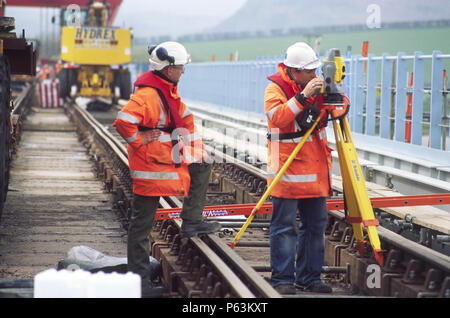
pixel 357 199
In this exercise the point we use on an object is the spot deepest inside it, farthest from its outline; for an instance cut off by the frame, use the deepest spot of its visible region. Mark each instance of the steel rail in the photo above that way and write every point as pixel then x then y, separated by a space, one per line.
pixel 21 103
pixel 259 285
pixel 101 132
pixel 236 284
pixel 21 100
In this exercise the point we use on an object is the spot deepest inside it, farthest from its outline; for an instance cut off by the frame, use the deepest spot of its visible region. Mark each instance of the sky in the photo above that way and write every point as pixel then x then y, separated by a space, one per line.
pixel 146 17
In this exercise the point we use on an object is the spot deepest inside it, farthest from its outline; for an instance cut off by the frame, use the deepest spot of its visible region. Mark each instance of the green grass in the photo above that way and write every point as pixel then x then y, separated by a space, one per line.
pixel 425 40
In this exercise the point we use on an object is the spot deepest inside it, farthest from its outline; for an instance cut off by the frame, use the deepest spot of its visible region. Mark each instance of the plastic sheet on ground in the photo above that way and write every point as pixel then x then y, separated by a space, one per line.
pixel 92 260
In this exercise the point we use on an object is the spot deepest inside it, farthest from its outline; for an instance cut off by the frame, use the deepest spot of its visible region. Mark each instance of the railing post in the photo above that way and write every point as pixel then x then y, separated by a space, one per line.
pixel 352 92
pixel 253 93
pixel 436 100
pixel 417 99
pixel 260 87
pixel 347 75
pixel 385 97
pixel 228 72
pixel 371 95
pixel 357 94
pixel 445 118
pixel 400 98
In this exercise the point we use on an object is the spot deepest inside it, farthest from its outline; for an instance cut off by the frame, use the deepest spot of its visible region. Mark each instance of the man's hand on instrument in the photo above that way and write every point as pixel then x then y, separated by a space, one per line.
pixel 313 87
pixel 150 135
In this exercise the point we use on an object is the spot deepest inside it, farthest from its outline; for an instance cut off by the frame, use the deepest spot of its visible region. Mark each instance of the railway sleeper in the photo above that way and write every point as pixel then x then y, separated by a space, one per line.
pixel 401 275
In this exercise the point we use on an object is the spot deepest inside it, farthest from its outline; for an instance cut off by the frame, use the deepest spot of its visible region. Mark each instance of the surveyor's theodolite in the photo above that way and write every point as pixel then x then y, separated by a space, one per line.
pixel 333 71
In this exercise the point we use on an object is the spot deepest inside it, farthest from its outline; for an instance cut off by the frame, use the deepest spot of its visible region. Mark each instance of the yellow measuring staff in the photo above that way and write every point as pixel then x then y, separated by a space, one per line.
pixel 356 197
pixel 274 182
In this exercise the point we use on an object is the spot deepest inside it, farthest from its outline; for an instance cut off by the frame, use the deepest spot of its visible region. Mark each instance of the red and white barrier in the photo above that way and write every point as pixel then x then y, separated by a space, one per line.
pixel 49 93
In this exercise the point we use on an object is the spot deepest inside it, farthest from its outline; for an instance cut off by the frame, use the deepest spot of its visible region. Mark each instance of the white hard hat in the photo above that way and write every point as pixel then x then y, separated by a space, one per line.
pixel 168 53
pixel 301 56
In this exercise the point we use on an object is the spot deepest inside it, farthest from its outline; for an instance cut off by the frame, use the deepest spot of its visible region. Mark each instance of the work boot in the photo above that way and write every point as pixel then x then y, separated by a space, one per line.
pixel 192 228
pixel 285 289
pixel 316 287
pixel 151 290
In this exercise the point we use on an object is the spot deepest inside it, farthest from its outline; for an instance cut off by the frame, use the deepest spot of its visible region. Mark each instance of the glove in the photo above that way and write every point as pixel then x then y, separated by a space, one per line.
pixel 301 98
pixel 309 116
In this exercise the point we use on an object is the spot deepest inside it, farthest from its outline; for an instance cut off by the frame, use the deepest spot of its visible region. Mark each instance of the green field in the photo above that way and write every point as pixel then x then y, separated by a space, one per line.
pixel 391 41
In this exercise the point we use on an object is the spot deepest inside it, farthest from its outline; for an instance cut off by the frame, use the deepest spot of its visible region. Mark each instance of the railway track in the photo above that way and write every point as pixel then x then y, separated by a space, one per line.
pixel 206 266
pixel 411 269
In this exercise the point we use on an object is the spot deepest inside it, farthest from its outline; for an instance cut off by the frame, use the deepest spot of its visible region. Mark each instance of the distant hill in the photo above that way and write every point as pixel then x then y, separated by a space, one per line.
pixel 287 14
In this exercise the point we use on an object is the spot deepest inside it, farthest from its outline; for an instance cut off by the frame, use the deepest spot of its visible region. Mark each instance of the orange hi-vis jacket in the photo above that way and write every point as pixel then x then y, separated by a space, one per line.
pixel 308 175
pixel 159 168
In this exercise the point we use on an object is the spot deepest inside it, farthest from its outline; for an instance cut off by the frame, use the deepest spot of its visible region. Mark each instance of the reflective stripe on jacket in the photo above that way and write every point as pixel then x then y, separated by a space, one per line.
pixel 157 168
pixel 309 173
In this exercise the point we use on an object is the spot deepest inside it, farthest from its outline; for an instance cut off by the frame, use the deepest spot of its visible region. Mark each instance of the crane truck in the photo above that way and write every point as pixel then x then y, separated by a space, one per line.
pixel 94 54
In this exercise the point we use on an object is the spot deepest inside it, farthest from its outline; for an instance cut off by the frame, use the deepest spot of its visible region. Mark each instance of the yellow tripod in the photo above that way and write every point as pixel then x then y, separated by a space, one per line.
pixel 356 198
pixel 355 193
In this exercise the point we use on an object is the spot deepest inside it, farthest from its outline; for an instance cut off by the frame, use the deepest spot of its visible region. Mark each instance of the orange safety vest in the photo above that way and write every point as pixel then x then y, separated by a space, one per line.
pixel 158 168
pixel 308 175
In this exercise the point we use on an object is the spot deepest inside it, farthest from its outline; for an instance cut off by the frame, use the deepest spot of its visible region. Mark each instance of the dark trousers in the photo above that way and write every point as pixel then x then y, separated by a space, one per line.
pixel 143 214
pixel 297 256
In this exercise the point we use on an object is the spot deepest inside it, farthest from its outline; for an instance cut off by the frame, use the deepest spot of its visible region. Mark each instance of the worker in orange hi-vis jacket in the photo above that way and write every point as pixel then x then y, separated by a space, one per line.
pixel 292 105
pixel 165 154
